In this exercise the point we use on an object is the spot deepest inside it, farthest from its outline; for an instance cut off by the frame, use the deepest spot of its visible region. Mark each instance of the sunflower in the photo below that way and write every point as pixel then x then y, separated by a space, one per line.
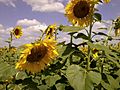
pixel 80 12
pixel 37 56
pixel 117 32
pixel 50 31
pixel 106 1
pixel 94 52
pixel 17 31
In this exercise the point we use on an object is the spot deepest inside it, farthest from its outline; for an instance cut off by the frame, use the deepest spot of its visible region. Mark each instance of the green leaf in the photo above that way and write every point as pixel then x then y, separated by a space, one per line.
pixel 29 84
pixel 61 51
pixel 80 79
pixel 50 80
pixel 118 73
pixel 98 16
pixel 70 29
pixel 13 87
pixel 103 28
pixel 113 83
pixel 68 50
pixel 100 33
pixel 2 87
pixel 106 85
pixel 81 35
pixel 94 77
pixel 76 77
pixel 21 75
pixel 6 71
pixel 43 87
pixel 60 86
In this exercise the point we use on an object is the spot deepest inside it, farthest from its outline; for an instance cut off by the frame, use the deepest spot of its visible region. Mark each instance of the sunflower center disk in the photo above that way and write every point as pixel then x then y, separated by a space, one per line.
pixel 17 32
pixel 81 9
pixel 37 53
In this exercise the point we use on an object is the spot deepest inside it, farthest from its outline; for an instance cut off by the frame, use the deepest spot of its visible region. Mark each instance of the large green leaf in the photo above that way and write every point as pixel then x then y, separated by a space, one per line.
pixel 6 71
pixel 80 79
pixel 70 29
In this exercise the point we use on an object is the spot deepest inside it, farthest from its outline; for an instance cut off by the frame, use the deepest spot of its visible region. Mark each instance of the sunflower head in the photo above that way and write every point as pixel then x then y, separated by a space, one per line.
pixel 50 30
pixel 117 32
pixel 17 31
pixel 106 1
pixel 80 12
pixel 37 56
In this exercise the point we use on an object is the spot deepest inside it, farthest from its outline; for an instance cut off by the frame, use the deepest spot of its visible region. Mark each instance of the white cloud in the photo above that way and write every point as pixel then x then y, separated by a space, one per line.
pixel 30 34
pixel 1 29
pixel 4 31
pixel 98 25
pixel 46 5
pixel 8 2
pixel 4 34
pixel 26 22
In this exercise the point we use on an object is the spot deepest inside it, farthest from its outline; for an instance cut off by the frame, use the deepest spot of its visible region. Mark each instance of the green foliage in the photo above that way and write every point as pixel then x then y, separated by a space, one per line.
pixel 97 16
pixel 81 35
pixel 80 79
pixel 70 29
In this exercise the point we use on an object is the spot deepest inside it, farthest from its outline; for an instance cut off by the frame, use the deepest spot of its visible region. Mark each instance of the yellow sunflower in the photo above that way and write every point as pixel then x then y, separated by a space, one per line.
pixel 117 32
pixel 106 1
pixel 50 31
pixel 80 12
pixel 94 52
pixel 17 31
pixel 37 56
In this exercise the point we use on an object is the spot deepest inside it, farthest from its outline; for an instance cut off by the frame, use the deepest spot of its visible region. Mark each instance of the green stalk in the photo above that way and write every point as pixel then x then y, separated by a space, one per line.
pixel 11 39
pixel 71 41
pixel 89 51
pixel 56 34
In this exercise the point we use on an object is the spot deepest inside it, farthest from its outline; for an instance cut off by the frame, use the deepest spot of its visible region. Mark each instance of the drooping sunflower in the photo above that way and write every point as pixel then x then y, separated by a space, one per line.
pixel 50 31
pixel 94 52
pixel 36 56
pixel 17 31
pixel 80 12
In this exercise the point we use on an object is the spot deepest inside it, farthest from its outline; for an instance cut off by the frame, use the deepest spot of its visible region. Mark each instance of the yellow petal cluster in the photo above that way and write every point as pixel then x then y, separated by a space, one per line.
pixel 36 56
pixel 80 12
pixel 50 31
pixel 17 32
pixel 106 1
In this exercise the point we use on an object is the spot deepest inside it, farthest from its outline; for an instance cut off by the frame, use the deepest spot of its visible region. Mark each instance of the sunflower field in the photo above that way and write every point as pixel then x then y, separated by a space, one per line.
pixel 86 62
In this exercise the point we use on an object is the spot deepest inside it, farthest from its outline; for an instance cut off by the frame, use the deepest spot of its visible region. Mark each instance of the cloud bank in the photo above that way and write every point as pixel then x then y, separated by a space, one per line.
pixel 46 5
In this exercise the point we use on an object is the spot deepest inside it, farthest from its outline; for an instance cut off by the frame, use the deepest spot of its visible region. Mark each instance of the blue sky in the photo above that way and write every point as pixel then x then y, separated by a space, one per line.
pixel 34 14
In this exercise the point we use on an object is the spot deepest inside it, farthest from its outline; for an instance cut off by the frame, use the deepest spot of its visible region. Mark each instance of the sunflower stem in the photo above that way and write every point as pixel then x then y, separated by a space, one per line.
pixel 71 41
pixel 89 50
pixel 11 38
pixel 56 34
